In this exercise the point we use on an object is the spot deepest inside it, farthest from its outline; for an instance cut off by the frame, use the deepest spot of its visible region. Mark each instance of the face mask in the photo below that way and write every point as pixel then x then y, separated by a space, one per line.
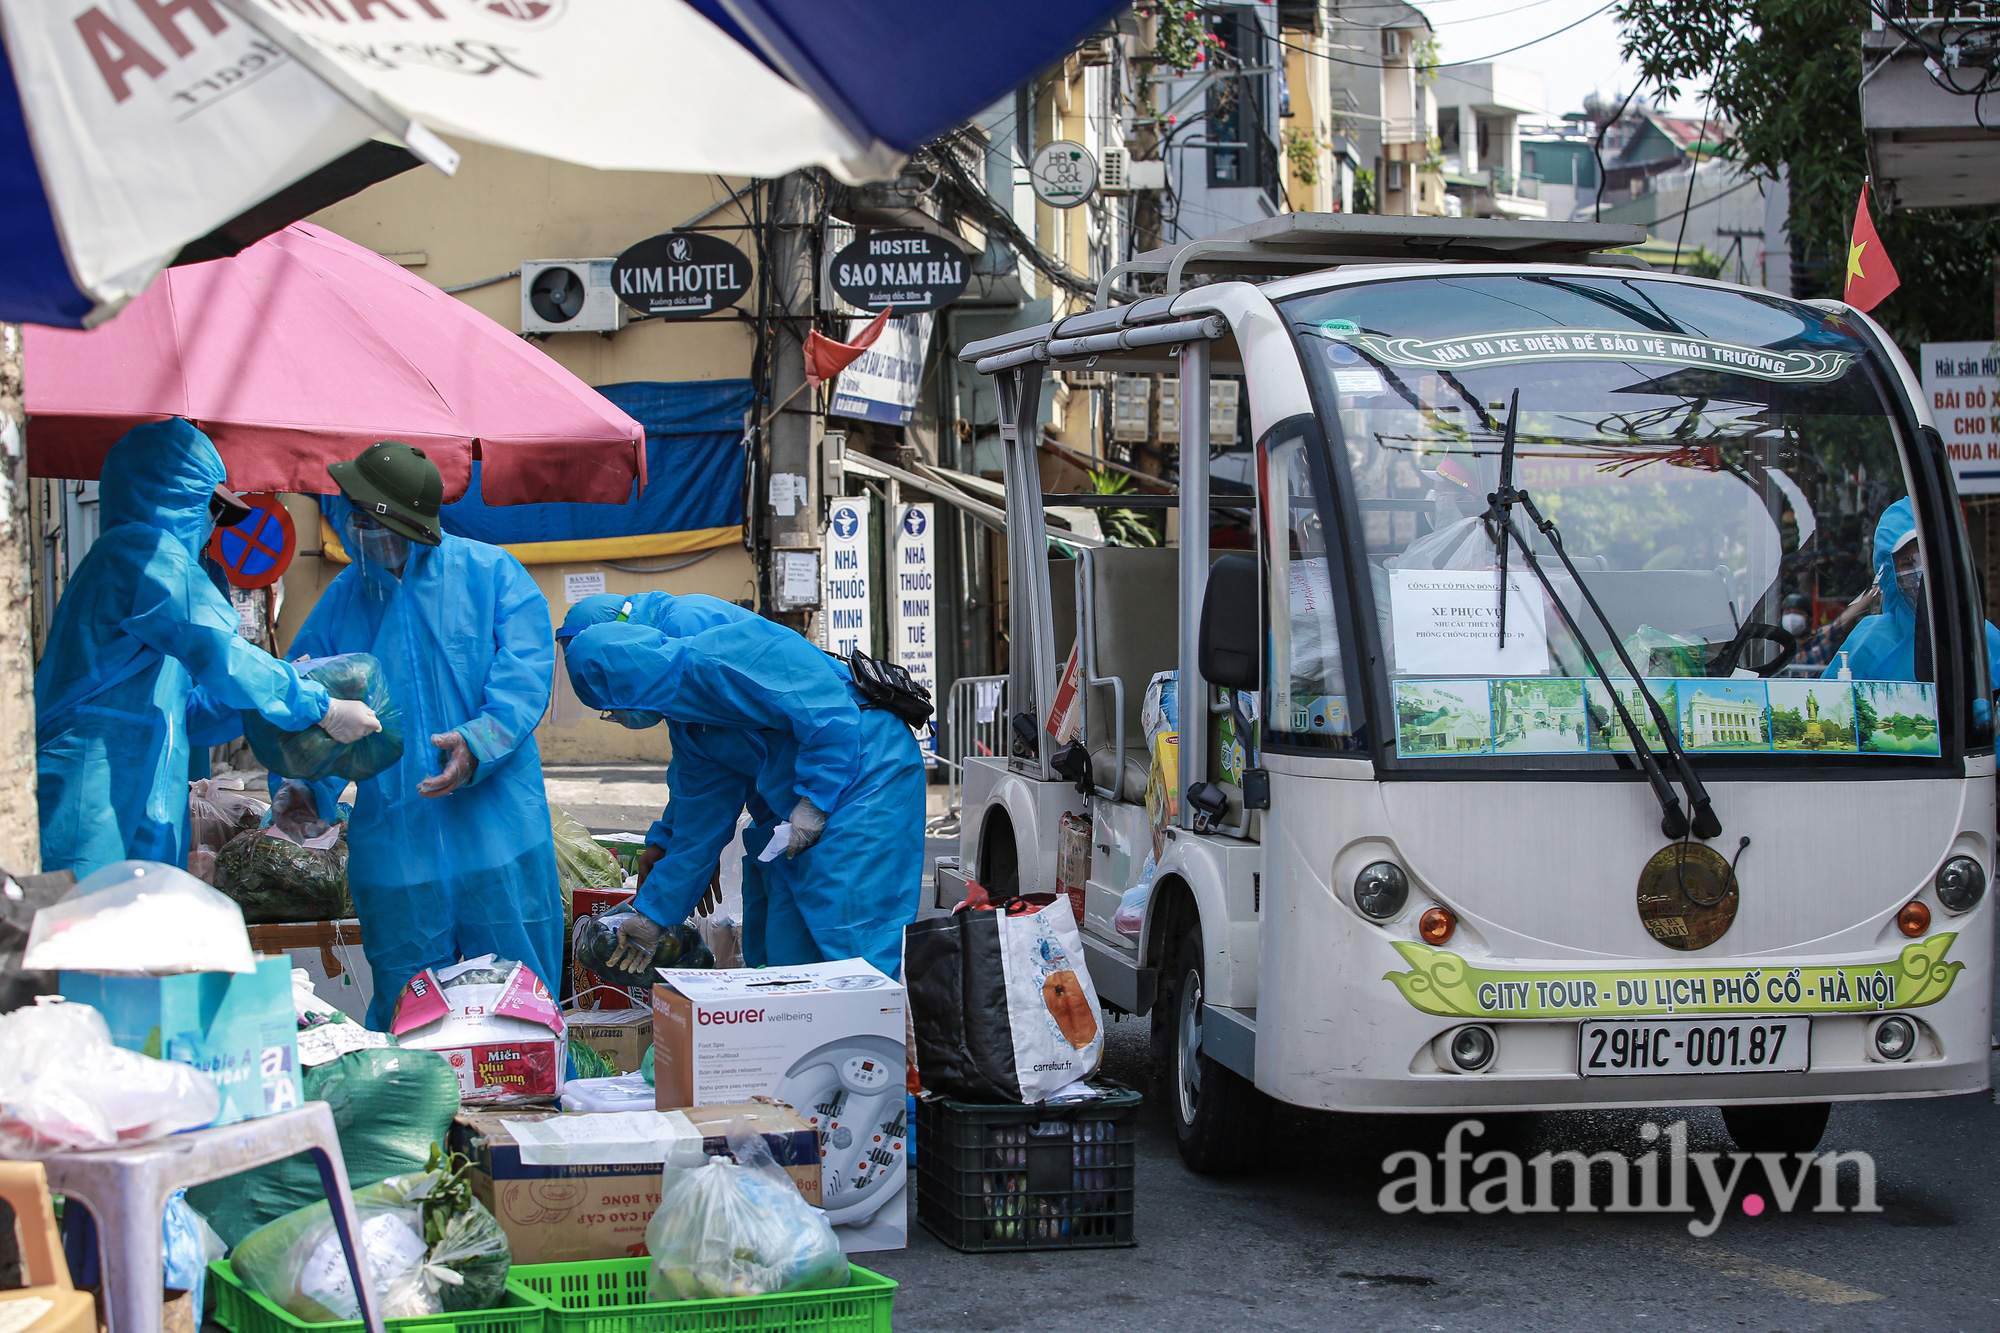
pixel 638 719
pixel 1793 622
pixel 1910 583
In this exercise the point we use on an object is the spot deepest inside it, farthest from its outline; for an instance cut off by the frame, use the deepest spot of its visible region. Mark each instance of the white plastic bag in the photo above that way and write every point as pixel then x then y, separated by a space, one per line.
pixel 140 918
pixel 723 936
pixel 1131 914
pixel 64 1085
pixel 738 1229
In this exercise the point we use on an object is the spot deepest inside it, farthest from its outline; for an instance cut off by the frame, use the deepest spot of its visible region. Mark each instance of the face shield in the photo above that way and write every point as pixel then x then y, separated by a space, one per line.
pixel 637 719
pixel 380 552
pixel 1909 564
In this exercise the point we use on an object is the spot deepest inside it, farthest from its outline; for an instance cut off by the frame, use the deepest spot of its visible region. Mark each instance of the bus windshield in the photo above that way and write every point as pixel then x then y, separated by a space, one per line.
pixel 1725 477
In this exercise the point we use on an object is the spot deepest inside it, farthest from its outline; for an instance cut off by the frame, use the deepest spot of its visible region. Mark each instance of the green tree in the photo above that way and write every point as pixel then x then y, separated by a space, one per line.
pixel 1787 74
pixel 1787 724
pixel 1865 720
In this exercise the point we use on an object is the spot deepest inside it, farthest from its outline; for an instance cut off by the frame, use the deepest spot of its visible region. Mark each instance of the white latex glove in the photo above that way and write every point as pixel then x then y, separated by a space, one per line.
pixel 808 822
pixel 348 720
pixel 459 761
pixel 638 937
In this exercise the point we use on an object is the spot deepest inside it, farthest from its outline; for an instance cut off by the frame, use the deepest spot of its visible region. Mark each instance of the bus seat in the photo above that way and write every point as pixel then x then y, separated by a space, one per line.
pixel 1135 595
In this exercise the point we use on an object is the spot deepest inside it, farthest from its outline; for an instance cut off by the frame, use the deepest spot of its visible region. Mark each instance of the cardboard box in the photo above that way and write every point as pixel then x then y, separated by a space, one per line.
pixel 238 1028
pixel 621 1036
pixel 563 1214
pixel 827 1038
pixel 330 952
pixel 503 1040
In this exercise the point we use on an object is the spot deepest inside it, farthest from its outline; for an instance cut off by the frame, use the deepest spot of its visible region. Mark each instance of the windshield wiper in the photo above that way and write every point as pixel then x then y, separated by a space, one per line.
pixel 1674 821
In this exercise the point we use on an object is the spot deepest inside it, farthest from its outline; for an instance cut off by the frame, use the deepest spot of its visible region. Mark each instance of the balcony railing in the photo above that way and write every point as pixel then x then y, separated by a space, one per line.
pixel 1518 185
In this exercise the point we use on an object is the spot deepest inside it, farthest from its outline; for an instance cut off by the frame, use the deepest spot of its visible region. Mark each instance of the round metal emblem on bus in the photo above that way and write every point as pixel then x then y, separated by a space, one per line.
pixel 1687 896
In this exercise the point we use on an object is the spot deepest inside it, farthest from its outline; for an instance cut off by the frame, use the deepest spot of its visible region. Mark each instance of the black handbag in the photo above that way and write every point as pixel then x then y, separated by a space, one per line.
pixel 888 686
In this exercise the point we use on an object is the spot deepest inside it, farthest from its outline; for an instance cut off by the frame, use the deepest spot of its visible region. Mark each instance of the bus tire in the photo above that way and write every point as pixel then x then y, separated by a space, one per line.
pixel 1784 1129
pixel 1219 1116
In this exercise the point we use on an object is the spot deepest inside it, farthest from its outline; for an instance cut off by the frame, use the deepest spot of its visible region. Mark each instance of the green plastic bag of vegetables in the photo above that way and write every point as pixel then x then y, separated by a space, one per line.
pixel 596 939
pixel 312 755
pixel 389 1107
pixel 275 880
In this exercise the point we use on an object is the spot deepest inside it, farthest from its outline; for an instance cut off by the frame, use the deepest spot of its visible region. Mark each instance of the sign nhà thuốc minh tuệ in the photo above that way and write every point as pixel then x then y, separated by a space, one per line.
pixel 1962 386
pixel 912 560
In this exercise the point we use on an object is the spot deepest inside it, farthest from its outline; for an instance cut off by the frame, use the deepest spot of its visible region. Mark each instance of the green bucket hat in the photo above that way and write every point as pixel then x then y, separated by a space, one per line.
pixel 396 485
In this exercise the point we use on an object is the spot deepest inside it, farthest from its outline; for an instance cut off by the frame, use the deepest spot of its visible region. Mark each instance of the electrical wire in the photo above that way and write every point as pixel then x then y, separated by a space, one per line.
pixel 1956 41
pixel 1454 64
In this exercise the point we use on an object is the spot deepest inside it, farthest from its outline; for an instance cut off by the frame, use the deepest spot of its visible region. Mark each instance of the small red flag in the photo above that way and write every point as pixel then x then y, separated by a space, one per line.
pixel 826 358
pixel 1870 275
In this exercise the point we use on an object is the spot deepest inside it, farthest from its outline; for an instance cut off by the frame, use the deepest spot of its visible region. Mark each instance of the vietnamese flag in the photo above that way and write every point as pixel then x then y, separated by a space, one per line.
pixel 1870 275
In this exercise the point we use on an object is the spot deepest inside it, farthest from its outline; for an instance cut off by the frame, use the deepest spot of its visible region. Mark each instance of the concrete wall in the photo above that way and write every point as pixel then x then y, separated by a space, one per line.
pixel 500 209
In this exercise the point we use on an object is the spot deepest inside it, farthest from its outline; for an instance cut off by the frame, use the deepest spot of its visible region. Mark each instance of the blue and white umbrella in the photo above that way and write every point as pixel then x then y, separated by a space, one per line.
pixel 133 128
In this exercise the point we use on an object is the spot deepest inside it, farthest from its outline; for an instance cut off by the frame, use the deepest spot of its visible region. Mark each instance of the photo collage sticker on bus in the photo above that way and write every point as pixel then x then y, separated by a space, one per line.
pixel 1710 715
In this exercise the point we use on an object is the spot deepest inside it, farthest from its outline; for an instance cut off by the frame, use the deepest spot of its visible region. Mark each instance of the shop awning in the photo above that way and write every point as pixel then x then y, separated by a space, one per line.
pixel 305 349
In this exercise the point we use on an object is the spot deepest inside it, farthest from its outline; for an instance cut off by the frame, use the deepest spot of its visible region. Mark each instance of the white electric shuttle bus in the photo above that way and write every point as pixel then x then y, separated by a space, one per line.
pixel 1699 810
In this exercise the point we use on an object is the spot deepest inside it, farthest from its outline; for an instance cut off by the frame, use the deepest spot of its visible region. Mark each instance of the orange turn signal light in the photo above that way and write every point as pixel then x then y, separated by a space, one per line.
pixel 1437 925
pixel 1914 919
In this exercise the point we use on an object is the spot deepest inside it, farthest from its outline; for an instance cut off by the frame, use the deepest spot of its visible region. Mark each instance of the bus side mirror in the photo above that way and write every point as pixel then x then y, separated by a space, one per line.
pixel 1230 651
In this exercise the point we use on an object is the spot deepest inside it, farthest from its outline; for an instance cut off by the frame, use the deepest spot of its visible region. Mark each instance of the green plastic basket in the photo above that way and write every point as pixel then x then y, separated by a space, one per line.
pixel 241 1310
pixel 609 1296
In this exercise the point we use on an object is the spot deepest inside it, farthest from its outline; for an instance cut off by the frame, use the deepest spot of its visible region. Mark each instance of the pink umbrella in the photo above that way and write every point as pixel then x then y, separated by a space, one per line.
pixel 305 349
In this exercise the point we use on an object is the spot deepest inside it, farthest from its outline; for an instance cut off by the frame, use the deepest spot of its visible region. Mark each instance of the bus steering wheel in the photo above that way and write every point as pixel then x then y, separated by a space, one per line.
pixel 1788 648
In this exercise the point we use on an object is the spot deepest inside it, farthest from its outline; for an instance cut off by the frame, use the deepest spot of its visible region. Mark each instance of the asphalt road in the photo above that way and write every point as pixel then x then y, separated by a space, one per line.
pixel 1304 1243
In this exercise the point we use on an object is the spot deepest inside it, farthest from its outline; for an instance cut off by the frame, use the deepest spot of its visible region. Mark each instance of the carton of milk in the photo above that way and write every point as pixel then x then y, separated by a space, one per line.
pixel 827 1039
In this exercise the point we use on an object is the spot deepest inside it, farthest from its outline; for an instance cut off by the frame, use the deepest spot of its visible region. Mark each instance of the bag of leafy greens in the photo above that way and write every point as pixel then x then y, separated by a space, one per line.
pixel 274 879
pixel 312 755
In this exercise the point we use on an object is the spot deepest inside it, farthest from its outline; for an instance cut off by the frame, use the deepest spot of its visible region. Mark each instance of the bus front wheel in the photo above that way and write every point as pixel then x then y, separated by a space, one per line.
pixel 1784 1129
pixel 1219 1116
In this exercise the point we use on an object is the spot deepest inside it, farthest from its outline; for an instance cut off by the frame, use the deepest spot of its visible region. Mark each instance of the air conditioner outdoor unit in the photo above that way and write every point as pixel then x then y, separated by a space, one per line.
pixel 569 296
pixel 1117 173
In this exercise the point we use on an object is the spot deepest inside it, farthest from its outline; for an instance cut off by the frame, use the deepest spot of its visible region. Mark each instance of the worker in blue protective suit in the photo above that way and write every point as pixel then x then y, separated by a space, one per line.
pixel 851 778
pixel 711 767
pixel 143 660
pixel 450 852
pixel 1896 643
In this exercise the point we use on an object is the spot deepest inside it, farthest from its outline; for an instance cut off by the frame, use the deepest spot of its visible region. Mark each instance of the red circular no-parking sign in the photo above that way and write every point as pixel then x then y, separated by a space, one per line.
pixel 258 550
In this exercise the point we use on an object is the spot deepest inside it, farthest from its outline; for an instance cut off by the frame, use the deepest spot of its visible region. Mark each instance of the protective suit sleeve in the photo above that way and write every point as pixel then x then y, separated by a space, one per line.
pixel 211 721
pixel 516 693
pixel 178 612
pixel 706 803
pixel 661 835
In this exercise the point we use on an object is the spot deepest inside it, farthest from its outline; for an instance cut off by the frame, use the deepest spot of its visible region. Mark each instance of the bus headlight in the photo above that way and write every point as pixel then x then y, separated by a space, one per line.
pixel 1895 1037
pixel 1381 890
pixel 1960 884
pixel 1470 1049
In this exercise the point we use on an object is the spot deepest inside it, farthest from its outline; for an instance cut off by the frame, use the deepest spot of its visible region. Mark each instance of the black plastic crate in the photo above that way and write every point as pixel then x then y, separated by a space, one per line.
pixel 1028 1177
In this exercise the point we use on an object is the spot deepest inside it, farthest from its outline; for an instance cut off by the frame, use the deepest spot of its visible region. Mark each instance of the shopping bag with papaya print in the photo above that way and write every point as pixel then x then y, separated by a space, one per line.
pixel 1001 1003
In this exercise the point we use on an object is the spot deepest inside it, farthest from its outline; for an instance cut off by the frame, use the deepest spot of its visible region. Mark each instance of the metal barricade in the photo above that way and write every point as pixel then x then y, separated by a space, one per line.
pixel 974 723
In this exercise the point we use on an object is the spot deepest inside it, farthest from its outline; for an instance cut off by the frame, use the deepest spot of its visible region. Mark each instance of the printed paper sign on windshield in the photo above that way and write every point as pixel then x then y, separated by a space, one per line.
pixel 1447 622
